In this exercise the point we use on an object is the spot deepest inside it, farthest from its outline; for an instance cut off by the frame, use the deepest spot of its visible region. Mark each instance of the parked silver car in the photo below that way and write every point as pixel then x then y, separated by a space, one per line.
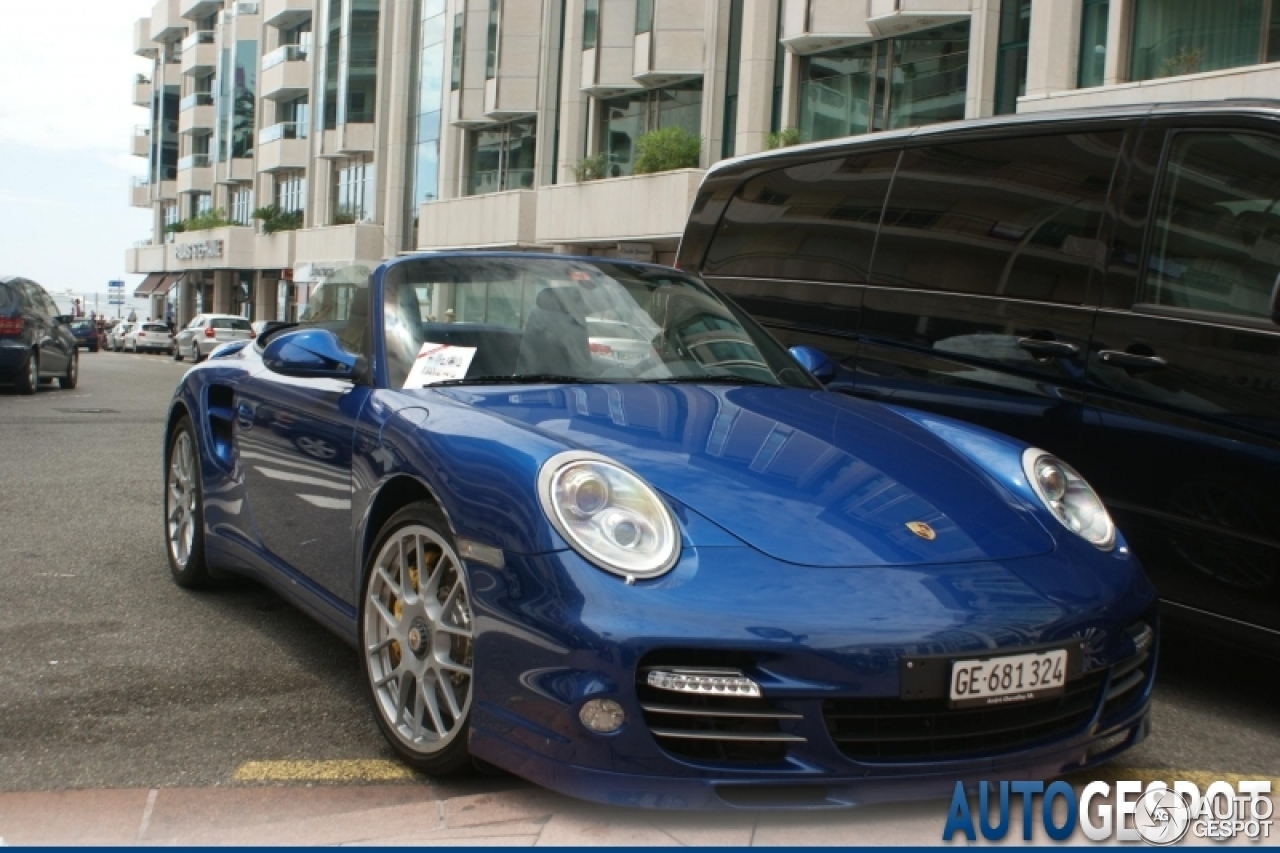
pixel 206 332
pixel 116 335
pixel 148 337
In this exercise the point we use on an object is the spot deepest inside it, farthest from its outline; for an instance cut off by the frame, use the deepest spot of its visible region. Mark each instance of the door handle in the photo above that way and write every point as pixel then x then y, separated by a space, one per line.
pixel 1131 361
pixel 1048 349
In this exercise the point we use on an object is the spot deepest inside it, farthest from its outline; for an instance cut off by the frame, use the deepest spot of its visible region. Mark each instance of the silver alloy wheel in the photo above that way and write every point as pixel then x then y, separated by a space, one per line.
pixel 180 500
pixel 418 636
pixel 33 370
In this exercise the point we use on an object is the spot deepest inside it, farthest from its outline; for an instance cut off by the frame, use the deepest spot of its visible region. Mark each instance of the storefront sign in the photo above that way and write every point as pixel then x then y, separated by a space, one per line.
pixel 642 252
pixel 198 251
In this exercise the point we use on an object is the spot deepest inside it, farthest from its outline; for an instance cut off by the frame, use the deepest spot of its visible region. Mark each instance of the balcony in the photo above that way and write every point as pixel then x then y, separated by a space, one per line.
pixel 140 143
pixel 195 10
pixel 286 73
pixel 199 53
pixel 145 259
pixel 824 25
pixel 641 207
pixel 232 247
pixel 139 192
pixel 283 146
pixel 195 174
pixel 274 251
pixel 346 140
pixel 897 17
pixel 166 22
pixel 141 92
pixel 336 246
pixel 237 170
pixel 142 43
pixel 492 221
pixel 284 14
pixel 673 48
pixel 196 113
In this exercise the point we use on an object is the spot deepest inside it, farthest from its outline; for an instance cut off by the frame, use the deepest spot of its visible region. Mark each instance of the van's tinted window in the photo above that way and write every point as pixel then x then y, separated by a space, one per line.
pixel 8 297
pixel 1014 217
pixel 1216 244
pixel 816 221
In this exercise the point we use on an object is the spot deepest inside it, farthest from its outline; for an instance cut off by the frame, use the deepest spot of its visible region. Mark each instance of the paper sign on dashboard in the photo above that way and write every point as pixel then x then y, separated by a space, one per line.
pixel 438 363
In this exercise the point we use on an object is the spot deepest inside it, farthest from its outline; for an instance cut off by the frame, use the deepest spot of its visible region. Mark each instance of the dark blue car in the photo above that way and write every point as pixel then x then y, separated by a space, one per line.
pixel 689 579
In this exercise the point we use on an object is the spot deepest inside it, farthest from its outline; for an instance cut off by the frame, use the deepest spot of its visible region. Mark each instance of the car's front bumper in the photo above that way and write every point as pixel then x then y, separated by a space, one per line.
pixel 555 633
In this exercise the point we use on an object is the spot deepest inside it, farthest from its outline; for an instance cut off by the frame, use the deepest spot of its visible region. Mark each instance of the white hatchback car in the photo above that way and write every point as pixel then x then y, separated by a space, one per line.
pixel 206 332
pixel 116 335
pixel 148 337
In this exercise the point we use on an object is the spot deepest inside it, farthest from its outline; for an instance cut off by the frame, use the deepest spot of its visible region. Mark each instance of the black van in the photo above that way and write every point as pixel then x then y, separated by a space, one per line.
pixel 1102 284
pixel 35 341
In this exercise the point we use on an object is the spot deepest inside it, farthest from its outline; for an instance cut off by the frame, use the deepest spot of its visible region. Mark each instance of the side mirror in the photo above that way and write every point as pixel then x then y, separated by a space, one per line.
pixel 311 353
pixel 816 362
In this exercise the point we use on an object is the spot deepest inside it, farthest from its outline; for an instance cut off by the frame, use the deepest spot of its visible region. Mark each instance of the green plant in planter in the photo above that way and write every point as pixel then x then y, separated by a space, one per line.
pixel 666 149
pixel 215 218
pixel 784 138
pixel 274 219
pixel 343 216
pixel 175 228
pixel 591 168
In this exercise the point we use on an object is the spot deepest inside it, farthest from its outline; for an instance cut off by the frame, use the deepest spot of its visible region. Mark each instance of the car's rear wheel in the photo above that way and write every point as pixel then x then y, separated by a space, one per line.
pixel 68 380
pixel 195 353
pixel 184 509
pixel 28 378
pixel 417 635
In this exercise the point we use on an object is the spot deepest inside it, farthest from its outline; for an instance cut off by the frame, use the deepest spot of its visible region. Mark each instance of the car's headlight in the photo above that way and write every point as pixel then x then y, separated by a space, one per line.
pixel 608 514
pixel 1071 500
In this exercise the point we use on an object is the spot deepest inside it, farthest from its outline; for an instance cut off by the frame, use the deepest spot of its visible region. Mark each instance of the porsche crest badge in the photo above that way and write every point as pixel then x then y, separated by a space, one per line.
pixel 922 530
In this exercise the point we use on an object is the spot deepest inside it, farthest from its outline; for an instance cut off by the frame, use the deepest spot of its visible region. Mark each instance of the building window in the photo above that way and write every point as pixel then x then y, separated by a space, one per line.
pixel 242 204
pixel 236 100
pixel 424 184
pixel 901 82
pixel 502 157
pixel 455 69
pixel 1093 43
pixel 590 23
pixel 332 63
pixel 491 46
pixel 779 76
pixel 353 193
pixel 350 62
pixel 644 16
pixel 1174 37
pixel 291 191
pixel 170 215
pixel 200 203
pixel 729 135
pixel 626 118
pixel 1011 57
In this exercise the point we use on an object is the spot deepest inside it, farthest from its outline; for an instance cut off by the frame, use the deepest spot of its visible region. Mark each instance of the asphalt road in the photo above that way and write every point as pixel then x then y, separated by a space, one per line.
pixel 111 676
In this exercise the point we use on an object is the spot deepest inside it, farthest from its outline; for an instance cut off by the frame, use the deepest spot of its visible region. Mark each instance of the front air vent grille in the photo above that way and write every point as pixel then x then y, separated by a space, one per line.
pixel 722 729
pixel 889 730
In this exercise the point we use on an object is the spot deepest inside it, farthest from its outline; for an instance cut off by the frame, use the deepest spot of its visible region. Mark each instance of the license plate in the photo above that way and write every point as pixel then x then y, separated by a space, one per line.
pixel 1008 680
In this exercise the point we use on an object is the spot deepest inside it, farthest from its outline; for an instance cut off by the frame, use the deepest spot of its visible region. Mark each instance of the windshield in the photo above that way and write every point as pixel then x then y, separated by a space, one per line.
pixel 82 325
pixel 470 319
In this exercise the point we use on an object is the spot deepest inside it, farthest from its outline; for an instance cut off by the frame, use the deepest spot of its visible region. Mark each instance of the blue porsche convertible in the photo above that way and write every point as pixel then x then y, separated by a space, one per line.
pixel 584 520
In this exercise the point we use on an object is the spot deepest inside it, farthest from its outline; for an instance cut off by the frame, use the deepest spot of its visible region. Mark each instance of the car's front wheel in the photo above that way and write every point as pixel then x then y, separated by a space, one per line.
pixel 417 636
pixel 184 508
pixel 68 380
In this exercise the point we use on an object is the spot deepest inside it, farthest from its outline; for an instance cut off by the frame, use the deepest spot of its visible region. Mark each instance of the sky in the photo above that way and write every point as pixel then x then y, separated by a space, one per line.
pixel 66 115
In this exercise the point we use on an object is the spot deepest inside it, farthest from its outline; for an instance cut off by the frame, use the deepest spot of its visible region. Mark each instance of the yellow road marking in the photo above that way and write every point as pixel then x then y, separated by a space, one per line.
pixel 363 770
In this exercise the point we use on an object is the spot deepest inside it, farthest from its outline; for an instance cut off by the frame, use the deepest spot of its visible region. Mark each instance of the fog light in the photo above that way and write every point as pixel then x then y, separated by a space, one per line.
pixel 707 682
pixel 602 715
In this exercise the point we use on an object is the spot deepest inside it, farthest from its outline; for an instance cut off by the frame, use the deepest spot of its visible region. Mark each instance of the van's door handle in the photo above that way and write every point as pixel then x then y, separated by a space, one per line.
pixel 1131 361
pixel 1048 349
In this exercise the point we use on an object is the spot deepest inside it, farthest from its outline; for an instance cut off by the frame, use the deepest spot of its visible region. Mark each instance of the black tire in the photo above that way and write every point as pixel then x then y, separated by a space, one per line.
pixel 28 378
pixel 93 348
pixel 177 354
pixel 68 380
pixel 195 353
pixel 434 760
pixel 193 572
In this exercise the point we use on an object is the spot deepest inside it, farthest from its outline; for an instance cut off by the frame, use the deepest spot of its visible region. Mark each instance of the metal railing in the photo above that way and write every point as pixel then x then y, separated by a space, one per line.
pixel 198 37
pixel 194 161
pixel 195 99
pixel 285 53
pixel 283 130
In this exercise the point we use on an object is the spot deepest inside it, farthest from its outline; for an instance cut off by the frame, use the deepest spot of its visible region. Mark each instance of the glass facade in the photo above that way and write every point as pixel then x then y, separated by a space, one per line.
pixel 353 193
pixel 1011 56
pixel 237 99
pixel 291 191
pixel 590 23
pixel 502 157
pixel 1174 37
pixel 491 40
pixel 628 117
pixel 900 82
pixel 729 134
pixel 242 204
pixel 350 63
pixel 1093 43
pixel 163 159
pixel 455 70
pixel 644 16
pixel 429 102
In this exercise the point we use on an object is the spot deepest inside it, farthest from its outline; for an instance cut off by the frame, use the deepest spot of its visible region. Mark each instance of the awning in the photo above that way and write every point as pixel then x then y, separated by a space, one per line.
pixel 167 285
pixel 149 284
